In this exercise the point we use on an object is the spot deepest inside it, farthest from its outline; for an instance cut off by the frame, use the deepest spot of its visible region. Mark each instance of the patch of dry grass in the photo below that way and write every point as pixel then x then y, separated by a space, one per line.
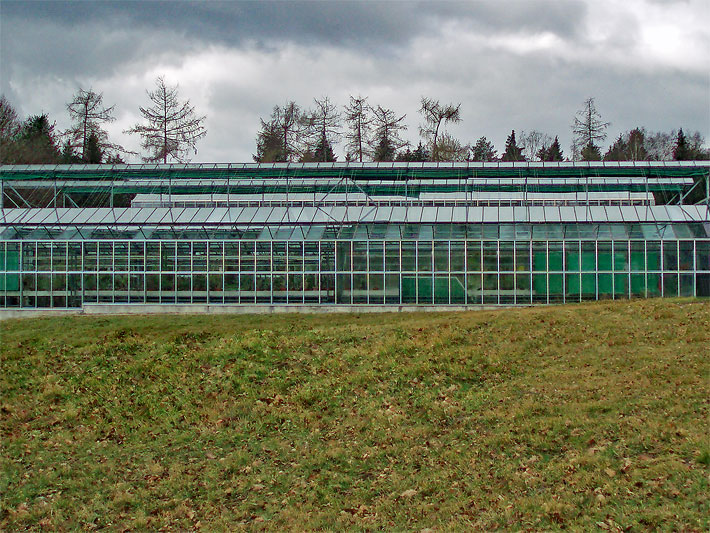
pixel 583 417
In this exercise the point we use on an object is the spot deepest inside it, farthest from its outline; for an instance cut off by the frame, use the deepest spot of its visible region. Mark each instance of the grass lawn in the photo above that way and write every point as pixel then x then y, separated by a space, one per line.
pixel 584 417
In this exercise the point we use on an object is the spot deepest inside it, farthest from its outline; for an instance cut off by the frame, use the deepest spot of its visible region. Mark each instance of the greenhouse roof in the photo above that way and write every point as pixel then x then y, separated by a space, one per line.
pixel 340 215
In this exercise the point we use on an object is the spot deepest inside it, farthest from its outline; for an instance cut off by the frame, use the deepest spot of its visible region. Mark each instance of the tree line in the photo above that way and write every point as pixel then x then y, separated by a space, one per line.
pixel 373 133
pixel 171 129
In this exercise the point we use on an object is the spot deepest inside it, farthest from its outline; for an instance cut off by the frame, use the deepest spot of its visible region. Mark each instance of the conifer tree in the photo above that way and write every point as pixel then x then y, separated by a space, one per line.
pixel 512 151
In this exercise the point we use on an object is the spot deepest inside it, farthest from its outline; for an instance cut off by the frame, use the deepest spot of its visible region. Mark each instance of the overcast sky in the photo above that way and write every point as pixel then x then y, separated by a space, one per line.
pixel 511 64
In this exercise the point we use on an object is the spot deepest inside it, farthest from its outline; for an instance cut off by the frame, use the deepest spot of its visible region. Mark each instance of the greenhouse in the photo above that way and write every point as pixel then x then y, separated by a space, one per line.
pixel 352 234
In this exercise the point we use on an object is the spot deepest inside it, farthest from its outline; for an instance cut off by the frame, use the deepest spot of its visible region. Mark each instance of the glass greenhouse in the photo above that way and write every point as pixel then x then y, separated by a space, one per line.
pixel 387 234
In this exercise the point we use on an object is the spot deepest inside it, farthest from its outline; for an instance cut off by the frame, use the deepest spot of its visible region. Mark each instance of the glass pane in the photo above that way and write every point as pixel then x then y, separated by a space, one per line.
pixel 506 258
pixel 424 256
pixel 458 258
pixel 670 255
pixel 490 256
pixel 685 256
pixel 474 257
pixel 441 257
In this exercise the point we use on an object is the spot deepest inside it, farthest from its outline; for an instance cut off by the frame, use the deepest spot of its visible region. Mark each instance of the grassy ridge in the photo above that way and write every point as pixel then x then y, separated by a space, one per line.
pixel 591 416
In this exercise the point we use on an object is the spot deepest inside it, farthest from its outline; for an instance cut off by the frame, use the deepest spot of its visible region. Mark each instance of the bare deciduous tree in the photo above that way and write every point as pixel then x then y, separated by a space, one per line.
pixel 357 116
pixel 436 114
pixel 323 125
pixel 88 113
pixel 533 142
pixel 386 140
pixel 588 128
pixel 172 129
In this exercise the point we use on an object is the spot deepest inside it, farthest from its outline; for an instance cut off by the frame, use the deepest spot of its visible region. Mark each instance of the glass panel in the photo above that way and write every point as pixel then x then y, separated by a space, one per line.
pixel 441 256
pixel 59 257
pixel 392 257
pixel 604 256
pixel 474 283
pixel 588 258
pixel 441 289
pixel 409 256
pixel 167 256
pixel 167 288
pixel 311 256
pixel 120 257
pixel 490 288
pixel 231 257
pixel 702 255
pixel 377 288
pixel 376 256
pixel 506 259
pixel 359 291
pixel 263 257
pixel 686 285
pixel 425 288
pixel 638 286
pixel 621 256
pixel 279 257
pixel 605 285
pixel 474 257
pixel 327 288
pixel 424 258
pixel 105 256
pixel 343 286
pixel 310 288
pixel 522 256
pixel 152 288
pixel 295 256
pixel 507 288
pixel 522 289
pixel 90 256
pixel 572 258
pixel 120 287
pixel 458 288
pixel 90 294
pixel 216 257
pixel 572 287
pixel 589 286
pixel 359 256
pixel 137 256
pixel 653 255
pixel 184 258
pixel 554 257
pixel 263 285
pixel 670 255
pixel 637 257
pixel 184 288
pixel 670 285
pixel 279 287
pixel 344 256
pixel 75 254
pixel 685 255
pixel 246 288
pixel 490 256
pixel 152 256
pixel 136 289
pixel 458 258
pixel 247 256
pixel 540 258
pixel 555 285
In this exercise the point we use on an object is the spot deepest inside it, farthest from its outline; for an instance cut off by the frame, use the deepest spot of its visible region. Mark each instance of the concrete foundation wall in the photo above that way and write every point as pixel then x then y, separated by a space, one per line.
pixel 191 309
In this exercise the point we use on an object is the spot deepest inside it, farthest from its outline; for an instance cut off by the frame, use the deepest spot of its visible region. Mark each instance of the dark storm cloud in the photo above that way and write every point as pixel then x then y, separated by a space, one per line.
pixel 349 23
pixel 512 64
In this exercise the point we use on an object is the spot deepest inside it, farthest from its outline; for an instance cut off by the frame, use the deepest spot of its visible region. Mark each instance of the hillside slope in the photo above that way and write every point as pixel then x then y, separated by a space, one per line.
pixel 586 416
